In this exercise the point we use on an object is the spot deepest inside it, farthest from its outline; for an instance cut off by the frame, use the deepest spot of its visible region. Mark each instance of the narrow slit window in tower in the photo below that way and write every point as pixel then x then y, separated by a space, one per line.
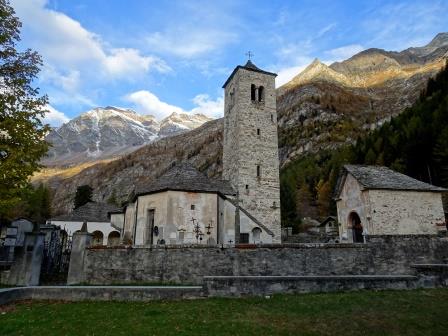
pixel 252 92
pixel 258 171
pixel 258 131
pixel 261 94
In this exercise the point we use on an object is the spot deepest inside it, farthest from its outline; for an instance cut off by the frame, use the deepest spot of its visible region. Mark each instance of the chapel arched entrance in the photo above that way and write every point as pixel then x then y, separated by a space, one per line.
pixel 355 222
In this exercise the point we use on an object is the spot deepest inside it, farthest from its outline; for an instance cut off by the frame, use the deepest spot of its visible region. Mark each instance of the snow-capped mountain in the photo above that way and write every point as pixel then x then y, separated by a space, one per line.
pixel 179 122
pixel 103 133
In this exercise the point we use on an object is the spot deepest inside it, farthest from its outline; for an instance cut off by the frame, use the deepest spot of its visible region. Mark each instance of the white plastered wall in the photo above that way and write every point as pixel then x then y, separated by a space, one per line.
pixel 72 227
pixel 352 199
pixel 129 224
pixel 247 225
pixel 172 215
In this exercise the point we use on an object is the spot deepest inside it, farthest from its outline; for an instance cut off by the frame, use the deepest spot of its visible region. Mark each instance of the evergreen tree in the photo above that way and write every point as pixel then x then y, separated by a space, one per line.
pixel 36 204
pixel 21 109
pixel 113 198
pixel 83 195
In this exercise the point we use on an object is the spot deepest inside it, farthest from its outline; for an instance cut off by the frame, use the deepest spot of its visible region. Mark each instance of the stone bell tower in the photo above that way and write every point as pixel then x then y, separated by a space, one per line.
pixel 250 150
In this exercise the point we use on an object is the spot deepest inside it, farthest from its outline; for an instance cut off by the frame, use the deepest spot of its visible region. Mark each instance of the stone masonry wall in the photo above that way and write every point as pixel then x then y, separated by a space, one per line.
pixel 245 148
pixel 382 255
pixel 405 212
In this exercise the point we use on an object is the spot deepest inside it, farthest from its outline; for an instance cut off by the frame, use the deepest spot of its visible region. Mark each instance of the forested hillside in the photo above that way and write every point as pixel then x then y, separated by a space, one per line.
pixel 414 143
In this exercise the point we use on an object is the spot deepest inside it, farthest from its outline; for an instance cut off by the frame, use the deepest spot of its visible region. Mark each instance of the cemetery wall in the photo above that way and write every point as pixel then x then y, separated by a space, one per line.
pixel 382 255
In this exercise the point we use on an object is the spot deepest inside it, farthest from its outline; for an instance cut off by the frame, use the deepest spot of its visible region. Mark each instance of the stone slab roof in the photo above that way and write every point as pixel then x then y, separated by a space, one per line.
pixel 380 177
pixel 248 66
pixel 90 212
pixel 328 219
pixel 185 177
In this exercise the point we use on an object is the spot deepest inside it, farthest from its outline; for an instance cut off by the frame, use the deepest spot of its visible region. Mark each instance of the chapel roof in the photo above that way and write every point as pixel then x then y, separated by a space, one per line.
pixel 328 219
pixel 89 212
pixel 380 177
pixel 185 177
pixel 248 66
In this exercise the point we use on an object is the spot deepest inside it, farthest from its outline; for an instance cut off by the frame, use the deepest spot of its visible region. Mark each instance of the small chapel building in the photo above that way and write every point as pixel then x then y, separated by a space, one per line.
pixel 95 215
pixel 376 200
pixel 184 206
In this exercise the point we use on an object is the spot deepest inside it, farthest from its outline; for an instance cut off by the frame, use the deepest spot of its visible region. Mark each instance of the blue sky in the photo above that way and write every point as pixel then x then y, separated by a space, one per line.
pixel 163 56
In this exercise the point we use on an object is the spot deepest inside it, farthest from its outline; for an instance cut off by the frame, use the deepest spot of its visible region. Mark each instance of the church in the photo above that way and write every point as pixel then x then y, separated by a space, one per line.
pixel 183 206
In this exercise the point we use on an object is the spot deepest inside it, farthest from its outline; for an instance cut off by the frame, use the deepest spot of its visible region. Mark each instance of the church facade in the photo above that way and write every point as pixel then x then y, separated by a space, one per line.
pixel 183 206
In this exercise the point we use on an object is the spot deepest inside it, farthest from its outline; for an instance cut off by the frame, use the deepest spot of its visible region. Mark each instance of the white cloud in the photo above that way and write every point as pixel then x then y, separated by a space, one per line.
pixel 286 74
pixel 188 43
pixel 148 103
pixel 325 29
pixel 129 62
pixel 344 52
pixel 54 117
pixel 207 106
pixel 64 42
pixel 69 81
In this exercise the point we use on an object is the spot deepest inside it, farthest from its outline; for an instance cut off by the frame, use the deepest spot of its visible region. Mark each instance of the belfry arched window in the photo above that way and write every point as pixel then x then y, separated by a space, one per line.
pixel 261 93
pixel 253 91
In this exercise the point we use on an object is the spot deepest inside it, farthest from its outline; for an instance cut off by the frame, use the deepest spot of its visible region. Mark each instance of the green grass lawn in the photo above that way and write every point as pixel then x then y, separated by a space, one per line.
pixel 420 312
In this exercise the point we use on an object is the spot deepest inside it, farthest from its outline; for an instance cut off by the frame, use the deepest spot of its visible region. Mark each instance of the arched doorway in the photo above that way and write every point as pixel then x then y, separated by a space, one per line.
pixel 256 235
pixel 113 239
pixel 97 238
pixel 357 229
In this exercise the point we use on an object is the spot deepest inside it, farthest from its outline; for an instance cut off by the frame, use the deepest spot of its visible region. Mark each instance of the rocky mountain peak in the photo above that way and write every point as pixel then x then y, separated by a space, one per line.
pixel 177 122
pixel 316 71
pixel 105 132
pixel 440 40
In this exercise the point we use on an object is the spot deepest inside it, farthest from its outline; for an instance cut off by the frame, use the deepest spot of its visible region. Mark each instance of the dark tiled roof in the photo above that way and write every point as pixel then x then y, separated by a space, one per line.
pixel 328 219
pixel 119 210
pixel 379 177
pixel 90 212
pixel 248 66
pixel 185 177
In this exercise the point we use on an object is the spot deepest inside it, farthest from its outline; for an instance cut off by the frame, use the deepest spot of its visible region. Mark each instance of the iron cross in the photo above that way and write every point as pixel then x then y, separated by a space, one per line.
pixel 249 54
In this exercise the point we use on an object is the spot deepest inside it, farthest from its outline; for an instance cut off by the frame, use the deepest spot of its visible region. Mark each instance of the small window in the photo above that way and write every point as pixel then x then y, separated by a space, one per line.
pixel 258 131
pixel 244 238
pixel 247 187
pixel 272 117
pixel 261 94
pixel 193 207
pixel 258 171
pixel 253 91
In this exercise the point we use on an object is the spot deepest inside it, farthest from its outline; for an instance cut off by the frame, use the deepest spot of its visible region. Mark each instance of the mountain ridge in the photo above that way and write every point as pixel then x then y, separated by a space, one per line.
pixel 107 132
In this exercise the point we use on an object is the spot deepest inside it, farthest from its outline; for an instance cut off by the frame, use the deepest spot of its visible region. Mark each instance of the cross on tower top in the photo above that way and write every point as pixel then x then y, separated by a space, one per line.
pixel 249 54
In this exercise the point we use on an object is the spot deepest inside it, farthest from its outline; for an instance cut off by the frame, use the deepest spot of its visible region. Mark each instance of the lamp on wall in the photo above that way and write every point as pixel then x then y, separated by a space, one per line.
pixel 274 205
